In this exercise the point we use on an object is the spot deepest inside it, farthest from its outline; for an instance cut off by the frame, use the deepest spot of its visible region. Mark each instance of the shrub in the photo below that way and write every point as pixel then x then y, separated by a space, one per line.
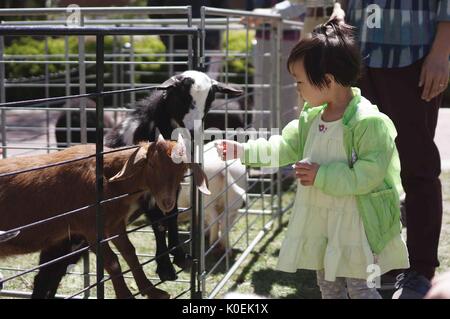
pixel 237 44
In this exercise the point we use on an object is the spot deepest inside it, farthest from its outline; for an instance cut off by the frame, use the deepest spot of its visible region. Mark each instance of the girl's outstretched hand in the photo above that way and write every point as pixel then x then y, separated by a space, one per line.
pixel 229 150
pixel 306 172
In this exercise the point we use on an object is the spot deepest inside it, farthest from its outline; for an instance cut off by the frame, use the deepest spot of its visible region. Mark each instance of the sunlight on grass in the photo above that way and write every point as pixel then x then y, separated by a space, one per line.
pixel 257 275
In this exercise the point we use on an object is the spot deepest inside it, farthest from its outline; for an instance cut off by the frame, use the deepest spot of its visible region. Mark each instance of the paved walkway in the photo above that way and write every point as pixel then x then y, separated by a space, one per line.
pixel 443 137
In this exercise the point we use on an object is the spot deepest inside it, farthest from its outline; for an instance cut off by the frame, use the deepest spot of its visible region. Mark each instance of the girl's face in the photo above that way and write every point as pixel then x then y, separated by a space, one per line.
pixel 308 92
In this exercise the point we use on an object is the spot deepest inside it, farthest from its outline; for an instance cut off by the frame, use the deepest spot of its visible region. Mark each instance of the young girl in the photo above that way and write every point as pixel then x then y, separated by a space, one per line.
pixel 345 222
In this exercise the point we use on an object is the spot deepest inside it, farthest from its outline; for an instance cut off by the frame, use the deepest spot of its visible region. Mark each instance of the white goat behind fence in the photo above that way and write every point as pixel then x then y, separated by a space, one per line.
pixel 227 187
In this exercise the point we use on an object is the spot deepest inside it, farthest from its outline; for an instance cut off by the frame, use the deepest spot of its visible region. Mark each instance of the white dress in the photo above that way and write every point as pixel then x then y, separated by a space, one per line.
pixel 326 232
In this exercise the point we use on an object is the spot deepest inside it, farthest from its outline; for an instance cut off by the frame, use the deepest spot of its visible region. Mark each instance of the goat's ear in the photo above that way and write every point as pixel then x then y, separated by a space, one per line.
pixel 200 178
pixel 226 89
pixel 173 81
pixel 132 166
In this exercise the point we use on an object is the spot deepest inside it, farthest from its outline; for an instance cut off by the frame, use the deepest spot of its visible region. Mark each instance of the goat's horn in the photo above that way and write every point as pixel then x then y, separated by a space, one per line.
pixel 158 135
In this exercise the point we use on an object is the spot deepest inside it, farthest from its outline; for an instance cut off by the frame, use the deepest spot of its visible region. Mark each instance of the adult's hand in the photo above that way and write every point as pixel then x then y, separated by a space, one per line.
pixel 256 21
pixel 435 69
pixel 338 13
pixel 435 75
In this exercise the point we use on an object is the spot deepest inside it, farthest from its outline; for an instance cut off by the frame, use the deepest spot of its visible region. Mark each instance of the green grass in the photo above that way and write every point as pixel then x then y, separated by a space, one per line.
pixel 145 245
pixel 257 274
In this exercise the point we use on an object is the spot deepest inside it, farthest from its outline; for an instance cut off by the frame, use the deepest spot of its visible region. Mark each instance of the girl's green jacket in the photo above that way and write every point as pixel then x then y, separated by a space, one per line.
pixel 371 173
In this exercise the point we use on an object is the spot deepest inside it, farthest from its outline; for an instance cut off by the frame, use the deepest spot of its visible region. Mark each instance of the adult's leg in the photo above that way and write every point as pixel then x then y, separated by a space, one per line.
pixel 397 94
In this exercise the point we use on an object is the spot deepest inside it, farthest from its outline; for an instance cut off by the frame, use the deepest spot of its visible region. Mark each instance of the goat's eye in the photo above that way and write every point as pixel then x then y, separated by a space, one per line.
pixel 192 106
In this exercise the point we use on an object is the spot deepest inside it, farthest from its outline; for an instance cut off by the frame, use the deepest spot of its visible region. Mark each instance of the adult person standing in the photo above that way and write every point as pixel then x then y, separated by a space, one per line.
pixel 406 45
pixel 212 38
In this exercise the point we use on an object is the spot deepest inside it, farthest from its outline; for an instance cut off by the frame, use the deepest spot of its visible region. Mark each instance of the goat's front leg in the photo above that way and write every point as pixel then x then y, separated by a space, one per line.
pixel 112 266
pixel 180 258
pixel 128 252
pixel 164 268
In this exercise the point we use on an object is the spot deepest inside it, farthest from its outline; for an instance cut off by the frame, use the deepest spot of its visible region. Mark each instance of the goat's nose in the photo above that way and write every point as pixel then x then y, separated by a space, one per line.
pixel 168 202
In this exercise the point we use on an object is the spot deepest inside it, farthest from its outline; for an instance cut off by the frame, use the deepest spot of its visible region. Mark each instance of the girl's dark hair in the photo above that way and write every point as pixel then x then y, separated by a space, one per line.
pixel 331 49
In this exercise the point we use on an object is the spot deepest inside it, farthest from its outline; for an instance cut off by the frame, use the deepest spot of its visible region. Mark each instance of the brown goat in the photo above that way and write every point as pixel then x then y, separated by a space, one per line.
pixel 33 196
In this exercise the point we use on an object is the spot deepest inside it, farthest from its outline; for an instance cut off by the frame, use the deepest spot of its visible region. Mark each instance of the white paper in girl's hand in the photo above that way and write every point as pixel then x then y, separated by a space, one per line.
pixel 303 161
pixel 306 161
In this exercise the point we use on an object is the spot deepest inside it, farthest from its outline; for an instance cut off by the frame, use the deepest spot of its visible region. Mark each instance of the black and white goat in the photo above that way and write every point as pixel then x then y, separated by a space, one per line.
pixel 178 102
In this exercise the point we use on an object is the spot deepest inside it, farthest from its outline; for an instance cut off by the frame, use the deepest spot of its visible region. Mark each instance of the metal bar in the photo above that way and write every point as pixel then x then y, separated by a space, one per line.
pixel 67 83
pixel 20 294
pixel 164 22
pixel 171 56
pixel 203 36
pixel 64 162
pixel 99 165
pixel 60 30
pixel 227 208
pixel 247 239
pixel 132 70
pixel 86 275
pixel 47 93
pixel 96 10
pixel 115 71
pixel 61 98
pixel 190 40
pixel 82 82
pixel 3 98
pixel 229 12
pixel 57 109
pixel 108 55
pixel 92 62
pixel 278 57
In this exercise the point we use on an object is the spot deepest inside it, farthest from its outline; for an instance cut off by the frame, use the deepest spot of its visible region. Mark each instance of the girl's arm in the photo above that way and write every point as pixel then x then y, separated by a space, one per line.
pixel 375 147
pixel 278 151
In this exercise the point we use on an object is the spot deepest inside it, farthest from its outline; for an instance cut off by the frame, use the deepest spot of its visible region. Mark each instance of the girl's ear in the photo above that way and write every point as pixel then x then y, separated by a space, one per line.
pixel 329 78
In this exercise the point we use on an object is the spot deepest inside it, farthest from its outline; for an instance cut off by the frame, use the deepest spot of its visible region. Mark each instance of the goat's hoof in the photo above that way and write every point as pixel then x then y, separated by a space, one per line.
pixel 126 295
pixel 167 273
pixel 155 293
pixel 183 261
